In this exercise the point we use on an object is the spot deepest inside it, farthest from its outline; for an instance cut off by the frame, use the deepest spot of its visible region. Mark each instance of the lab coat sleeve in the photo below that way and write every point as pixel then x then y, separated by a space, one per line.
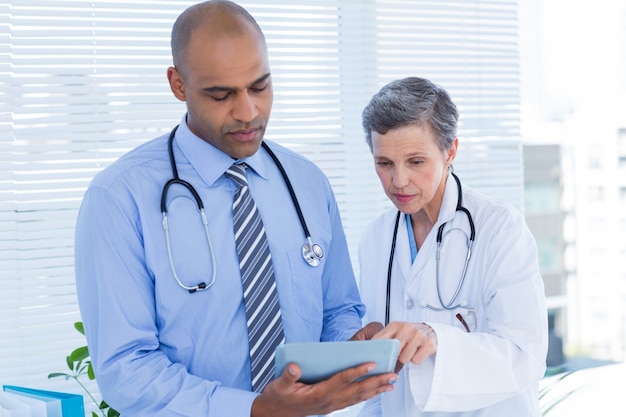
pixel 475 370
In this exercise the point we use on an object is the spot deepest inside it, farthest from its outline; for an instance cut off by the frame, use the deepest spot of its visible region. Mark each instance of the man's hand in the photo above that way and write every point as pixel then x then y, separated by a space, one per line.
pixel 367 332
pixel 417 341
pixel 285 397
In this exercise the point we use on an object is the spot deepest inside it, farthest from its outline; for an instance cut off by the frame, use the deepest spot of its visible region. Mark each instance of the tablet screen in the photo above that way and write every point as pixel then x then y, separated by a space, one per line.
pixel 319 361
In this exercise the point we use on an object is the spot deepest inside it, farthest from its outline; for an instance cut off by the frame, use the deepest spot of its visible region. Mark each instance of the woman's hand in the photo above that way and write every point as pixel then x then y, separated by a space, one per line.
pixel 417 341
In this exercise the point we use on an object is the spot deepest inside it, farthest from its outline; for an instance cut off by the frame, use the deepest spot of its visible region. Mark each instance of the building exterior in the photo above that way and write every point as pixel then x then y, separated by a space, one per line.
pixel 545 216
pixel 574 109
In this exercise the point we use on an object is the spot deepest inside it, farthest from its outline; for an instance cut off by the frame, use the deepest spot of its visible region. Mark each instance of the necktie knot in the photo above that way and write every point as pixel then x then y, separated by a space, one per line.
pixel 237 173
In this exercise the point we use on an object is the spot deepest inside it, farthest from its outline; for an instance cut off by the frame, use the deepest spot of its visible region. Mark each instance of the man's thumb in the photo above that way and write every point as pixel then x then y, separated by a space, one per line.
pixel 291 373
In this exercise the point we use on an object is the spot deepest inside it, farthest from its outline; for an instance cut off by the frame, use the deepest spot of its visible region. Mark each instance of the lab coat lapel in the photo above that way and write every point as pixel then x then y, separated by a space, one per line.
pixel 402 258
pixel 427 251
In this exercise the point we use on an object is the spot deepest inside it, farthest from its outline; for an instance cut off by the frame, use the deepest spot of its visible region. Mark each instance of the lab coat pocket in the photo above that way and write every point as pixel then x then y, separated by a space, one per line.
pixel 465 319
pixel 462 318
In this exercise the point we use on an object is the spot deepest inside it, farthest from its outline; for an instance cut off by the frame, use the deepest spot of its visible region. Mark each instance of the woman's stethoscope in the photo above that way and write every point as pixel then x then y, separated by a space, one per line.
pixel 311 252
pixel 470 241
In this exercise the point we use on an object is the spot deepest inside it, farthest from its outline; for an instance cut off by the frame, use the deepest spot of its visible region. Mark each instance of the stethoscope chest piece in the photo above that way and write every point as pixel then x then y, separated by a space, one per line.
pixel 312 253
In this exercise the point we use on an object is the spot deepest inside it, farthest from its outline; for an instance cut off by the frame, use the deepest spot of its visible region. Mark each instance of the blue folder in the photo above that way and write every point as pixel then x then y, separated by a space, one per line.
pixel 72 405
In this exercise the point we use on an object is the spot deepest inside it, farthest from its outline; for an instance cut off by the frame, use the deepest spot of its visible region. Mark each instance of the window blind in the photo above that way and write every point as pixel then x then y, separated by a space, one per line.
pixel 82 82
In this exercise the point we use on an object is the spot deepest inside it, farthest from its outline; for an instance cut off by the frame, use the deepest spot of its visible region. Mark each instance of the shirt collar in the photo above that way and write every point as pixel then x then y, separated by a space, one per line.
pixel 210 162
pixel 448 204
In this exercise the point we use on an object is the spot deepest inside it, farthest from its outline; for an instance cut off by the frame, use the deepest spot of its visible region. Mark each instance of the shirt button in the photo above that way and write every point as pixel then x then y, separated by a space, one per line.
pixel 409 303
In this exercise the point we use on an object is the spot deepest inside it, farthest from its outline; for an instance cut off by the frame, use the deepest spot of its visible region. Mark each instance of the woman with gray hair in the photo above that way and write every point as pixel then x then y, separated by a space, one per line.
pixel 453 274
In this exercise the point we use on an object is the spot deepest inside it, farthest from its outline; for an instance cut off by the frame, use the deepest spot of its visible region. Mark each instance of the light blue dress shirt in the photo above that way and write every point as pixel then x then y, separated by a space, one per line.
pixel 158 350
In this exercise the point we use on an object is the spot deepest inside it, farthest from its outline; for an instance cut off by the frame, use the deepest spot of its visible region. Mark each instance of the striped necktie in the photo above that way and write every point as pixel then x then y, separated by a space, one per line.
pixel 265 327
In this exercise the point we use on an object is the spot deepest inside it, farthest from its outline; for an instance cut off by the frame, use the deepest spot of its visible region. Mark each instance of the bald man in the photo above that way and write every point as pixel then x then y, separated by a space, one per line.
pixel 164 310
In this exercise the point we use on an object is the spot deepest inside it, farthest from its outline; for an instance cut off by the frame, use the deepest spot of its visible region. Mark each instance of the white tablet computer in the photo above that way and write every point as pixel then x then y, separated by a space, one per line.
pixel 319 361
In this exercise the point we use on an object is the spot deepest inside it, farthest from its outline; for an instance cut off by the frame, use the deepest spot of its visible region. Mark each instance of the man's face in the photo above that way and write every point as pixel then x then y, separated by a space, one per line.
pixel 227 86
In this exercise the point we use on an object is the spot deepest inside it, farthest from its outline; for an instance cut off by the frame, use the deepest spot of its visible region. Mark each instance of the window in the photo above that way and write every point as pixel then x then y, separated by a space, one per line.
pixel 596 193
pixel 594 163
pixel 621 136
pixel 84 82
pixel 542 197
pixel 549 253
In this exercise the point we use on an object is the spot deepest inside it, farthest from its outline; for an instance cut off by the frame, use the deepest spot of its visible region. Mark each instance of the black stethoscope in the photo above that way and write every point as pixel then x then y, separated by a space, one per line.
pixel 470 241
pixel 311 252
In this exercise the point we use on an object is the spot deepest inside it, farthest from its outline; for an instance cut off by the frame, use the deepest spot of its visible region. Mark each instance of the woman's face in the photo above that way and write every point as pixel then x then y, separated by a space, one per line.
pixel 411 167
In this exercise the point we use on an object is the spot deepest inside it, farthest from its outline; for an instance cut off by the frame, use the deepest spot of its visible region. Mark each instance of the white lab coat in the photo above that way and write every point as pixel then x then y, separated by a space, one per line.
pixel 495 369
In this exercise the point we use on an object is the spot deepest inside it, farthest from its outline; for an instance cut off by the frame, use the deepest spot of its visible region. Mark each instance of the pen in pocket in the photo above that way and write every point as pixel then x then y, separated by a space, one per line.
pixel 462 320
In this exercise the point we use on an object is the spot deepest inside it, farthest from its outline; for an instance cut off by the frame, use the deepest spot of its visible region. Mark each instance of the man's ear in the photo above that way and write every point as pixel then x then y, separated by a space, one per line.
pixel 177 85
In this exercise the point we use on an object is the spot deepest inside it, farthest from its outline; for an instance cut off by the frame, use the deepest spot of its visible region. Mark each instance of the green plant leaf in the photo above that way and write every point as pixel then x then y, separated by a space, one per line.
pixel 78 362
pixel 553 382
pixel 555 370
pixel 83 369
pixel 545 410
pixel 547 404
pixel 79 354
pixel 90 372
pixel 79 326
pixel 57 374
pixel 70 363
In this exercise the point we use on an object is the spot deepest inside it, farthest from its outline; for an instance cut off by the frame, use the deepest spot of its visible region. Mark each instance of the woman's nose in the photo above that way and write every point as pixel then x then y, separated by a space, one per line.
pixel 399 178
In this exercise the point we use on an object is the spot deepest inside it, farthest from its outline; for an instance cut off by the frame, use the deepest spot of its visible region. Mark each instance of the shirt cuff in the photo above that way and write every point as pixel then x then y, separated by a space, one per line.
pixel 232 402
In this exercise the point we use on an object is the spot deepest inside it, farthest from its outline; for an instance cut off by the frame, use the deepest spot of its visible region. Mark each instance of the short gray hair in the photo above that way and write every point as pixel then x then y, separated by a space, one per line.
pixel 411 101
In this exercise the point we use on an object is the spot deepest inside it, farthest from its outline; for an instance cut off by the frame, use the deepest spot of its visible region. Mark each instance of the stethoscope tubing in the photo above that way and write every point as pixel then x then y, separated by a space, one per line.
pixel 470 243
pixel 312 253
pixel 292 193
pixel 390 266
